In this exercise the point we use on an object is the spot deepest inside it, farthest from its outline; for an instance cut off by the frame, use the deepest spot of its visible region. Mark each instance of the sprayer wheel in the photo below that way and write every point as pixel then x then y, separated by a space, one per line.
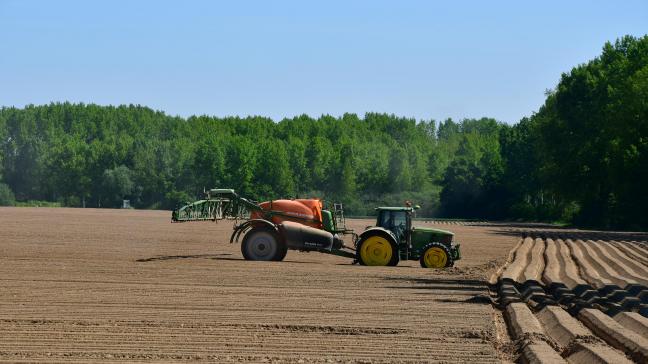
pixel 262 244
pixel 281 253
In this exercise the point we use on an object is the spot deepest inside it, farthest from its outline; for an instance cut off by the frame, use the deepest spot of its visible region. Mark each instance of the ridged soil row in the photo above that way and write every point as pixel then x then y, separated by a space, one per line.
pixel 590 269
pixel 570 268
pixel 640 248
pixel 637 263
pixel 517 268
pixel 627 271
pixel 560 267
pixel 622 338
pixel 554 336
pixel 530 336
pixel 575 342
pixel 634 322
pixel 494 278
pixel 535 267
pixel 626 248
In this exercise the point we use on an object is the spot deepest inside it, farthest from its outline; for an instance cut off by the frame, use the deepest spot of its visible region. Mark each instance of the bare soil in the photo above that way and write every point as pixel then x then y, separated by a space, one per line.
pixel 112 285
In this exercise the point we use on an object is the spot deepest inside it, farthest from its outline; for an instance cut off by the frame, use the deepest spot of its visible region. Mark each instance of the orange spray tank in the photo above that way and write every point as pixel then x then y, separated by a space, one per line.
pixel 303 211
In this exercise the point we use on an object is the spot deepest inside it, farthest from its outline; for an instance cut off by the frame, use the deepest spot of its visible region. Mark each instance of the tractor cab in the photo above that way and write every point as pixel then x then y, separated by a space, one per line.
pixel 394 239
pixel 398 220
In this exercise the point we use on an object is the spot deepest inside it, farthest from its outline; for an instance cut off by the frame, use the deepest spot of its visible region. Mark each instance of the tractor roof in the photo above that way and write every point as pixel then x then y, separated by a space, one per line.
pixel 398 208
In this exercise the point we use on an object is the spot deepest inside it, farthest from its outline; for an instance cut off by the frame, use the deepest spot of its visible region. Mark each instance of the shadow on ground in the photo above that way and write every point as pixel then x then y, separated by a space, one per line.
pixel 221 256
pixel 478 290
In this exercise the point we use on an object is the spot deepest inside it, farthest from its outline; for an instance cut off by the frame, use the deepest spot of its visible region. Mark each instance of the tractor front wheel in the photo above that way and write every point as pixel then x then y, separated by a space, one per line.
pixel 263 244
pixel 436 255
pixel 377 251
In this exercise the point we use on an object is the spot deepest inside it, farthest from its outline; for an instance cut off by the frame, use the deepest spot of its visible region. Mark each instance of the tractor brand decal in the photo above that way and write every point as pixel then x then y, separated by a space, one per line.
pixel 297 214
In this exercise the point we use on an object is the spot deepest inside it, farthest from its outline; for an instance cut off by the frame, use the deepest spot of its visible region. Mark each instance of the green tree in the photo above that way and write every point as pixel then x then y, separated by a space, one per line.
pixel 400 173
pixel 117 184
pixel 593 128
pixel 7 197
pixel 273 177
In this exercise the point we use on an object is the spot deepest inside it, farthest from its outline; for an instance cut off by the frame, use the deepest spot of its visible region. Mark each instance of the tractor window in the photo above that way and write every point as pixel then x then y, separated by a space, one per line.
pixel 392 219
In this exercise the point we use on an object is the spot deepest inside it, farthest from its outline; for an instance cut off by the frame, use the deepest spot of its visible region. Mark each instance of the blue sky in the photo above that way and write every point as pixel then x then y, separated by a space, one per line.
pixel 422 59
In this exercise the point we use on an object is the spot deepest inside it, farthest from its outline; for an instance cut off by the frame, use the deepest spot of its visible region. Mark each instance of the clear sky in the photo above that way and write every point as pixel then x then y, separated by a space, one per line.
pixel 423 59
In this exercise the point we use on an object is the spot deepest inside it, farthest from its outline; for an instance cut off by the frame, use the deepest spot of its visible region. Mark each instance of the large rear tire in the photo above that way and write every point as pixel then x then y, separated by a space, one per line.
pixel 263 245
pixel 376 250
pixel 436 255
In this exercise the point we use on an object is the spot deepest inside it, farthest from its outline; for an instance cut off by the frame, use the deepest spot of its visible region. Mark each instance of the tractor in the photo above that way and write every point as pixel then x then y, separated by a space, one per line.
pixel 394 239
pixel 269 229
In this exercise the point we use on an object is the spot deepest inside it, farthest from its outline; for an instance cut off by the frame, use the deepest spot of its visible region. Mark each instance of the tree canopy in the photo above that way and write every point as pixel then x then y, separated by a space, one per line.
pixel 582 158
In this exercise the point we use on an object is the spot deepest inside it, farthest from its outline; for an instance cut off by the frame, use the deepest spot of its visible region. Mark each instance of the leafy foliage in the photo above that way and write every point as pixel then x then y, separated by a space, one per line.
pixel 583 157
pixel 7 197
pixel 593 137
pixel 89 155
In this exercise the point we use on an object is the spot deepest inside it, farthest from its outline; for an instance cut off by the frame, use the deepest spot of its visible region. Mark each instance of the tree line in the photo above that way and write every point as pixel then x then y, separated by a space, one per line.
pixel 581 158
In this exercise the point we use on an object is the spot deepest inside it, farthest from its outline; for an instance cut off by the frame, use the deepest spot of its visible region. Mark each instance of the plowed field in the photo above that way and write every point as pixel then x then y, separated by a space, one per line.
pixel 88 285
pixel 589 292
pixel 123 285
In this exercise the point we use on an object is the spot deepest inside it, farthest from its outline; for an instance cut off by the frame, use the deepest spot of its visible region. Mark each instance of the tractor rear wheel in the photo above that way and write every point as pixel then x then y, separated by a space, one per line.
pixel 377 251
pixel 263 244
pixel 436 255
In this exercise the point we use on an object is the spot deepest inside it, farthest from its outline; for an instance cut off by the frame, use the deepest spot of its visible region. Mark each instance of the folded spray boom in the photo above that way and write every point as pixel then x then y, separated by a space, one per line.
pixel 218 205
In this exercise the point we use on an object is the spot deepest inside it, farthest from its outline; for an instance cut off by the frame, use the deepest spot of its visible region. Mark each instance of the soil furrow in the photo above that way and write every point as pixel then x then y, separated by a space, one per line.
pixel 516 269
pixel 587 266
pixel 87 285
pixel 554 269
pixel 640 248
pixel 630 253
pixel 616 335
pixel 569 268
pixel 535 265
pixel 634 322
pixel 613 259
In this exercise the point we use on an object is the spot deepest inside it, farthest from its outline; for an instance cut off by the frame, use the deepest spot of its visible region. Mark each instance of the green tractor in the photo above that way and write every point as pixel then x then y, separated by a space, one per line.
pixel 394 239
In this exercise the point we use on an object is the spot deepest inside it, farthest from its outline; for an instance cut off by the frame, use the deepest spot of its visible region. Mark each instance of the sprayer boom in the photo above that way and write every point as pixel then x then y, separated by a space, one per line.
pixel 220 204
